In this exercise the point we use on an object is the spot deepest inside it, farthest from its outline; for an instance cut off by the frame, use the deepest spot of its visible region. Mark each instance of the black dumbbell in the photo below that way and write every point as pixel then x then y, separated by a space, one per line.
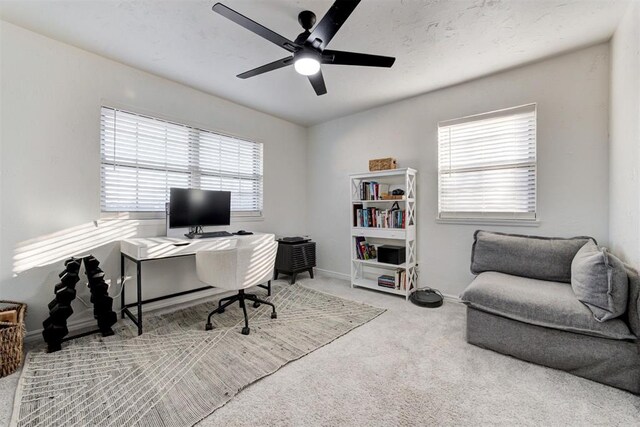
pixel 69 279
pixel 65 296
pixel 53 321
pixel 54 333
pixel 72 265
pixel 60 312
pixel 99 288
pixel 53 347
pixel 96 277
pixel 48 322
pixel 103 303
pixel 107 320
pixel 90 263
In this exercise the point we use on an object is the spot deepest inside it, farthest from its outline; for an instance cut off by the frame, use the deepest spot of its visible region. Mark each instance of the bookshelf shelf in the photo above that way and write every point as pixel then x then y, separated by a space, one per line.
pixel 381 200
pixel 375 263
pixel 385 233
pixel 365 240
pixel 372 284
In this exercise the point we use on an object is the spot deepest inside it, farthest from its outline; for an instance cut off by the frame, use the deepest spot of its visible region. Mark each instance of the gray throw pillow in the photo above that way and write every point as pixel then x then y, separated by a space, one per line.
pixel 600 281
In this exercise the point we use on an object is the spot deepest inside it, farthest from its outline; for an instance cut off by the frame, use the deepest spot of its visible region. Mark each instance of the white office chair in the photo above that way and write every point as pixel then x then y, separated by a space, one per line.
pixel 246 265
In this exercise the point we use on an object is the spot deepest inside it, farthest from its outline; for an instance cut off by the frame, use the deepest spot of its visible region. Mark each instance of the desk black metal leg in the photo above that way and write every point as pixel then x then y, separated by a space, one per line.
pixel 139 275
pixel 122 285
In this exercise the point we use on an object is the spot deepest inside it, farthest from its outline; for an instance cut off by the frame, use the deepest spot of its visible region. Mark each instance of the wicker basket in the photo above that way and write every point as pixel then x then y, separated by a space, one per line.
pixel 11 338
pixel 382 164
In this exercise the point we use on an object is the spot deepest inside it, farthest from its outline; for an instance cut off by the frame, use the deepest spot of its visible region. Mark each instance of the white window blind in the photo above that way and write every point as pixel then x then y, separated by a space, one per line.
pixel 487 165
pixel 143 157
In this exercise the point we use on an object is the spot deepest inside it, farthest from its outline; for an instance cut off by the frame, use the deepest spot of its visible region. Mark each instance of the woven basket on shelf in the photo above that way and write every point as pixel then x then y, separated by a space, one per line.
pixel 382 164
pixel 11 338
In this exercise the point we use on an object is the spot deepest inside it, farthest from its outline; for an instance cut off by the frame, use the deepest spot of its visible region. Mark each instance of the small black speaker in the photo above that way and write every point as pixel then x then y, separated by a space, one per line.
pixel 391 254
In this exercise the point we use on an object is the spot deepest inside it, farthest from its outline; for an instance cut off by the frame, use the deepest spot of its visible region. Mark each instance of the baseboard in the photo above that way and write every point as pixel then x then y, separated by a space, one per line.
pixel 452 298
pixel 332 274
pixel 342 276
pixel 84 324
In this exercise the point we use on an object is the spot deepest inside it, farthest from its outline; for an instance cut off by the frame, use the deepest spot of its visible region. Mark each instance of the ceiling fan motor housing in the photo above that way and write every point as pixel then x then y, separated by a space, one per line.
pixel 307 19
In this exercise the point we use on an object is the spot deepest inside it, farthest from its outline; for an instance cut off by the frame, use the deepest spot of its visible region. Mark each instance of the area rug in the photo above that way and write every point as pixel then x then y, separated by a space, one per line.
pixel 175 374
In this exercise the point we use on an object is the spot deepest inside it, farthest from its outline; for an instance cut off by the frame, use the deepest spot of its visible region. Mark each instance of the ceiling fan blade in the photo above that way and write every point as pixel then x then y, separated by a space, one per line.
pixel 254 27
pixel 317 81
pixel 332 21
pixel 267 67
pixel 339 57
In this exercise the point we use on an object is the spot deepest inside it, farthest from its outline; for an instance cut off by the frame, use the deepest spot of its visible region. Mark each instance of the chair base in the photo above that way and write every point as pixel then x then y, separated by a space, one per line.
pixel 240 297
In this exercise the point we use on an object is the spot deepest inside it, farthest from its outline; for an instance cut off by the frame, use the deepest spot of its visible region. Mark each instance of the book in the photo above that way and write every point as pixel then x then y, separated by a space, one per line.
pixel 371 190
pixel 387 281
pixel 356 207
pixel 364 250
pixel 378 218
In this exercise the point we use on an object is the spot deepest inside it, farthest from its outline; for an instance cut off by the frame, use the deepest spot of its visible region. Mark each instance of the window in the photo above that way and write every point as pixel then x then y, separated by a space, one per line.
pixel 142 157
pixel 487 166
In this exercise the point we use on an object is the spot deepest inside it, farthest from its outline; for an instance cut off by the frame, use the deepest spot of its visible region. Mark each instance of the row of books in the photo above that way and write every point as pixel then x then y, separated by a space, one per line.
pixel 397 281
pixel 379 218
pixel 372 190
pixel 364 249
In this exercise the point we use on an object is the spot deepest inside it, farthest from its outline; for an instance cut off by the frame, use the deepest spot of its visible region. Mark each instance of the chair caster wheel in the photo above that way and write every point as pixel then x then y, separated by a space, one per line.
pixel 274 315
pixel 256 304
pixel 245 331
pixel 208 327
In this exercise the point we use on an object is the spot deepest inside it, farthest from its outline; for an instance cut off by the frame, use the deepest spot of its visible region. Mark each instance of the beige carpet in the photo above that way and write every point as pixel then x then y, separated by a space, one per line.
pixel 176 373
pixel 411 366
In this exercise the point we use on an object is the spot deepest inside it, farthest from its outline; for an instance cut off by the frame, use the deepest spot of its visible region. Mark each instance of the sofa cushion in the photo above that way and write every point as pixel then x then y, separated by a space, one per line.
pixel 600 281
pixel 539 302
pixel 545 258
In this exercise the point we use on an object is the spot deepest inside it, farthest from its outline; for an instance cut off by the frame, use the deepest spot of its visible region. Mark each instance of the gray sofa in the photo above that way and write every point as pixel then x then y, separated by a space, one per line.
pixel 521 303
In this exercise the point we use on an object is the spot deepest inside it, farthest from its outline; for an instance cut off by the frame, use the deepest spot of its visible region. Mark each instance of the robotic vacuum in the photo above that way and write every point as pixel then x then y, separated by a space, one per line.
pixel 430 298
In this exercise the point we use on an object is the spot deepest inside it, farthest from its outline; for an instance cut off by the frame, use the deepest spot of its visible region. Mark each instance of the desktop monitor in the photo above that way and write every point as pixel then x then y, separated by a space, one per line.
pixel 197 208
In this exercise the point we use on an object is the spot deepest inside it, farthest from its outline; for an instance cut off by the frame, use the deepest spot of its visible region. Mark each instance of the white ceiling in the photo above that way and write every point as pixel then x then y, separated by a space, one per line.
pixel 437 43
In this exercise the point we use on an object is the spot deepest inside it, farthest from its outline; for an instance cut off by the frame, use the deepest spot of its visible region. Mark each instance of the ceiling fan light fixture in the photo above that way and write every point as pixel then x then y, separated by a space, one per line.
pixel 306 65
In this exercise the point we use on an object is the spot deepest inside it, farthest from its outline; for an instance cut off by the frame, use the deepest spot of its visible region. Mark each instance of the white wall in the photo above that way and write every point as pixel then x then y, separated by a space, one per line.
pixel 572 93
pixel 50 175
pixel 624 160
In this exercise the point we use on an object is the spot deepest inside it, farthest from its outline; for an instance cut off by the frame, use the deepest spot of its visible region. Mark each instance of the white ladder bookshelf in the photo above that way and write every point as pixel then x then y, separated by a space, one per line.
pixel 365 272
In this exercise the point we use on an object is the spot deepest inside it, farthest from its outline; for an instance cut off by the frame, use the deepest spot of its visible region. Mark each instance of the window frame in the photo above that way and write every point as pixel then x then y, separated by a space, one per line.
pixel 491 218
pixel 241 216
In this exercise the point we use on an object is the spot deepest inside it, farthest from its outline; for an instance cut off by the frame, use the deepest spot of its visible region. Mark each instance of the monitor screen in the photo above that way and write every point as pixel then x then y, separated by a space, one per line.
pixel 190 207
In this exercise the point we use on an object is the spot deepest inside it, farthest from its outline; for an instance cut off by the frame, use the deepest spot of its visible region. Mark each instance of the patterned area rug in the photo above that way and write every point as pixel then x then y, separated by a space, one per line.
pixel 175 374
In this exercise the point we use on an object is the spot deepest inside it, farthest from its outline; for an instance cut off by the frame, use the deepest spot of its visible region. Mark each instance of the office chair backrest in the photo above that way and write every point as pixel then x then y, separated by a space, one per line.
pixel 238 268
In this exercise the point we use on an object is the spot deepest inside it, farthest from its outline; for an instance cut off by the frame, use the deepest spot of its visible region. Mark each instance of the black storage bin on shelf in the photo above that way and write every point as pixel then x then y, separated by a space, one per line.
pixel 391 254
pixel 294 258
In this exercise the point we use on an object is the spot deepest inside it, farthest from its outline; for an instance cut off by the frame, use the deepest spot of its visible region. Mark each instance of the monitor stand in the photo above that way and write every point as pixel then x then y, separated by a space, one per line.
pixel 194 232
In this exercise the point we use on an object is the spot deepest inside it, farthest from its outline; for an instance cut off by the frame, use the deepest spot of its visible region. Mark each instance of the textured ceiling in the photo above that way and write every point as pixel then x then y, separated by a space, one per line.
pixel 436 43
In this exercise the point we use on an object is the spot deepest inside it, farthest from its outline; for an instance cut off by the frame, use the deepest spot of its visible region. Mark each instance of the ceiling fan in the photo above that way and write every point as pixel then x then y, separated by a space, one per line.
pixel 308 49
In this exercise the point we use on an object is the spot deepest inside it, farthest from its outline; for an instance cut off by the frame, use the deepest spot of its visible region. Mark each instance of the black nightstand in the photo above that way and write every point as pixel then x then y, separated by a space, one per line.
pixel 294 258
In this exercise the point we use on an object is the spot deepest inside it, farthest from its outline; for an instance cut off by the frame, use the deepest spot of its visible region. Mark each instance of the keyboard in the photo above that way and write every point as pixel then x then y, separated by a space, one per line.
pixel 209 234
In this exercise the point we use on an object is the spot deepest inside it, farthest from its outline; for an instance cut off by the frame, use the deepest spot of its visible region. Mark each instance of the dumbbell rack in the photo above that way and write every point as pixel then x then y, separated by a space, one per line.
pixel 55 326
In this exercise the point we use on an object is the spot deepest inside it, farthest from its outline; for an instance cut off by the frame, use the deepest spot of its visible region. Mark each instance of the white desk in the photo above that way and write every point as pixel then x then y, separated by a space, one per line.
pixel 141 250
